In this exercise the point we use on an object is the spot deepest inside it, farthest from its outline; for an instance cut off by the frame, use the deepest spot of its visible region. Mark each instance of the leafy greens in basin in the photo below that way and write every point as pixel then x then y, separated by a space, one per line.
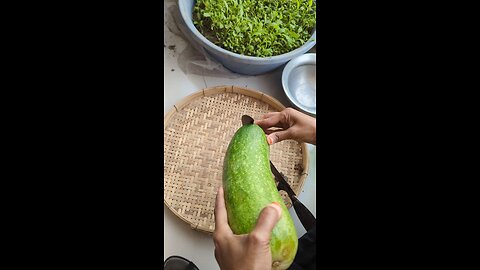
pixel 259 28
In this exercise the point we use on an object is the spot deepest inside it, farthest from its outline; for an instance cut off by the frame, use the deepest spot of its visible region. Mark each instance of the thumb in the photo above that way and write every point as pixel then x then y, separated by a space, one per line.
pixel 278 136
pixel 266 221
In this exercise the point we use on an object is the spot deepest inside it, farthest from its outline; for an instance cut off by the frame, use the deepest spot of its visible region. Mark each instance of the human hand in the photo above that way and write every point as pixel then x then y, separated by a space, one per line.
pixel 293 125
pixel 247 251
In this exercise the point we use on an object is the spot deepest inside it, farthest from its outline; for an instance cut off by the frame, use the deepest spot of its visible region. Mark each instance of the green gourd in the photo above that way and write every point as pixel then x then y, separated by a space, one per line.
pixel 249 187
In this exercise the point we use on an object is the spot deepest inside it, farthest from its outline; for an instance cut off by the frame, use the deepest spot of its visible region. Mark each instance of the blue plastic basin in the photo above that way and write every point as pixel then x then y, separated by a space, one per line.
pixel 248 65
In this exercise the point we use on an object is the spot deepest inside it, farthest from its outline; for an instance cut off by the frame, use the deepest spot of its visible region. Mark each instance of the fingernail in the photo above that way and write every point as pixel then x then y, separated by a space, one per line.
pixel 270 140
pixel 277 207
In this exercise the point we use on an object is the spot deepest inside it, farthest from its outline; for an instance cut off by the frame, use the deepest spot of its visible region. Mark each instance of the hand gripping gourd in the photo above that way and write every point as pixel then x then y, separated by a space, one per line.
pixel 249 186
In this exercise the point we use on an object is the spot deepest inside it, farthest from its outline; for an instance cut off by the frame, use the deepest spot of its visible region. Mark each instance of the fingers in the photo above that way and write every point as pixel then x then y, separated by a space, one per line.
pixel 221 219
pixel 270 120
pixel 266 221
pixel 272 130
pixel 267 115
pixel 278 136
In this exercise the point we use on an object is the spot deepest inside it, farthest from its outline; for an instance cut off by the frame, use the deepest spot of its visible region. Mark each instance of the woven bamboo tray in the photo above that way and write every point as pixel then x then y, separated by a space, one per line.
pixel 197 132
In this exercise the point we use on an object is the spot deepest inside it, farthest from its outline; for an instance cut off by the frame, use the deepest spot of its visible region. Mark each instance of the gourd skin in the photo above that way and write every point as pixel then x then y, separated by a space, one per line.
pixel 249 187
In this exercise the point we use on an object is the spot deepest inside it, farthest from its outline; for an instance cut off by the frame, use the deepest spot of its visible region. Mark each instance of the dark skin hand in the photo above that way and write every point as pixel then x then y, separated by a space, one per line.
pixel 247 251
pixel 289 124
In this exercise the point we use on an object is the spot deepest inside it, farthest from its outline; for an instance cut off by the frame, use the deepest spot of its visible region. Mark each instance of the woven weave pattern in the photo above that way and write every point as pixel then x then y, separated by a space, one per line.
pixel 196 138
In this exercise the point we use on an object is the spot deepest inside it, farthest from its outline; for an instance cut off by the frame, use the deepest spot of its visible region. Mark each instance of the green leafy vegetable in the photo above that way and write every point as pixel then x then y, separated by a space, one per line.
pixel 256 27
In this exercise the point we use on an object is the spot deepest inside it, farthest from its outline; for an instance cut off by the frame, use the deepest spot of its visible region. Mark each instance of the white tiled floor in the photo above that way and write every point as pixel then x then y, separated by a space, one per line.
pixel 179 238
